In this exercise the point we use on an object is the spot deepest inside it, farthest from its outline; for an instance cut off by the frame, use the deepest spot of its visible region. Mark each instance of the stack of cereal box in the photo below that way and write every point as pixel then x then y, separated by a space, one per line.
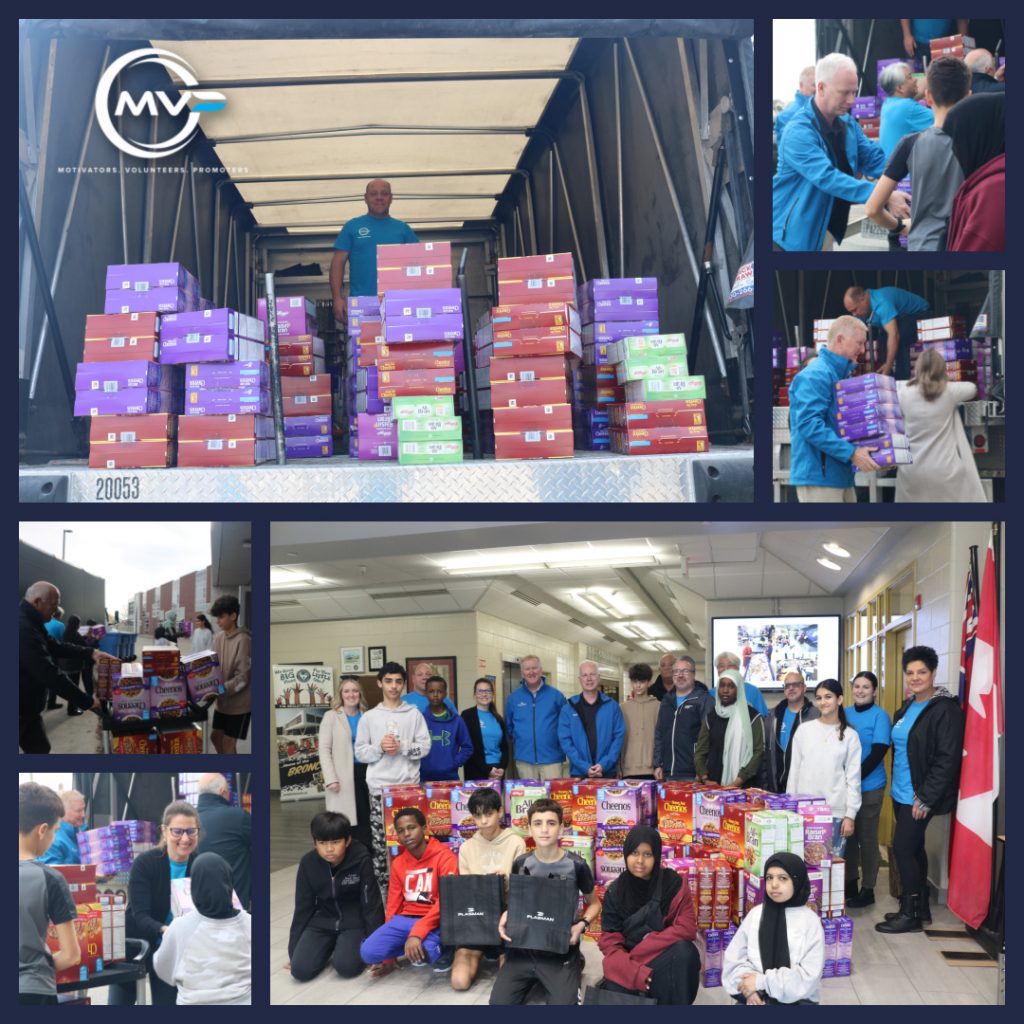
pixel 950 46
pixel 535 340
pixel 227 399
pixel 948 336
pixel 305 383
pixel 161 666
pixel 663 411
pixel 114 847
pixel 868 415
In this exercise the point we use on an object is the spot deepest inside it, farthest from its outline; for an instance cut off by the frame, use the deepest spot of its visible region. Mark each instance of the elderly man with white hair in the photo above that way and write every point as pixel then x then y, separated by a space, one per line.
pixel 730 659
pixel 591 728
pixel 823 464
pixel 824 161
pixel 985 76
pixel 225 830
pixel 64 848
pixel 901 111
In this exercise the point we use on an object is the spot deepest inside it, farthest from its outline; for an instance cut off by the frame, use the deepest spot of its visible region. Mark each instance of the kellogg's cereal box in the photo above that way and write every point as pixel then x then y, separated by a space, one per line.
pixel 519 800
pixel 581 845
pixel 609 863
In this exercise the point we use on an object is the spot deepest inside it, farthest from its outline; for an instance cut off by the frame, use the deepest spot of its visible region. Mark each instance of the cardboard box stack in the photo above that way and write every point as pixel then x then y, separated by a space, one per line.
pixel 868 414
pixel 308 432
pixel 950 46
pixel 966 359
pixel 129 700
pixel 161 666
pixel 524 389
pixel 663 411
pixel 114 847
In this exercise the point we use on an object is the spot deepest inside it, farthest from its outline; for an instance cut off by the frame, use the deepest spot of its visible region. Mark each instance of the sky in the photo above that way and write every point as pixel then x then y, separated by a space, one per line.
pixel 792 50
pixel 131 557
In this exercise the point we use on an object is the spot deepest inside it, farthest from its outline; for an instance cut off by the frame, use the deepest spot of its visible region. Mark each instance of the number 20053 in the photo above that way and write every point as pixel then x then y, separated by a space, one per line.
pixel 117 488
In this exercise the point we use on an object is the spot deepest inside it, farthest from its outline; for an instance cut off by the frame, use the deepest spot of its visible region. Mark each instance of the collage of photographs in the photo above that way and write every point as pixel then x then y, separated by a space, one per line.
pixel 365 280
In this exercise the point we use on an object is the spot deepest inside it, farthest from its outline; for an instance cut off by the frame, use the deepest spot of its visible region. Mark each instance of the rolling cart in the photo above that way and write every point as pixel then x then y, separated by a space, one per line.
pixel 122 972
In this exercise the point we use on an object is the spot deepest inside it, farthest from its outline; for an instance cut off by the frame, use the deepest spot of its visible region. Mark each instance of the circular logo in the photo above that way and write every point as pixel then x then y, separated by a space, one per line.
pixel 303 675
pixel 153 102
pixel 364 232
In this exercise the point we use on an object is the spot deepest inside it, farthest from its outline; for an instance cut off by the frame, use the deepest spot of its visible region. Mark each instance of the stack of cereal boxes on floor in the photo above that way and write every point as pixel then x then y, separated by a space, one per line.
pixel 610 309
pixel 305 383
pixel 534 341
pixel 868 415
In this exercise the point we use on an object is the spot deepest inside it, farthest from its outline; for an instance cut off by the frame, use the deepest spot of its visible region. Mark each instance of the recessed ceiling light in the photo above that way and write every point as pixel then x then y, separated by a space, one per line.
pixel 829 564
pixel 834 549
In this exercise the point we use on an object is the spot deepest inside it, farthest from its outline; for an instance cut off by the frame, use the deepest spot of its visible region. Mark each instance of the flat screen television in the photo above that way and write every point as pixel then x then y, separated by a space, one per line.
pixel 769 645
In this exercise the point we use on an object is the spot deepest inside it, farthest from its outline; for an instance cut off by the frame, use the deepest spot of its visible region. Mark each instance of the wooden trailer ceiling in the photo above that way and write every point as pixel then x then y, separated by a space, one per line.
pixel 359 130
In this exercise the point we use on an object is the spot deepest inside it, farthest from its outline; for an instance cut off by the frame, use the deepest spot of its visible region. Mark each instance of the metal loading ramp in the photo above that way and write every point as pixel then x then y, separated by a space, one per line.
pixel 726 474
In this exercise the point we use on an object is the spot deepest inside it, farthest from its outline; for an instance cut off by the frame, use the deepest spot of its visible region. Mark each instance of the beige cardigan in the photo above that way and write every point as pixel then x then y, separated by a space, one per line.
pixel 638 749
pixel 336 763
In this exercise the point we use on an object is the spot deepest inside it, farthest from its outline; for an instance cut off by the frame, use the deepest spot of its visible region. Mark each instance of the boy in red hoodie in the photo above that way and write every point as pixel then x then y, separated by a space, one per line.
pixel 413 912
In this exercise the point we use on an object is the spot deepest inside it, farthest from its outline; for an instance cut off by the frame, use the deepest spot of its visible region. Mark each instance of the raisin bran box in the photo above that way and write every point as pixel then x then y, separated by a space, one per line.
pixel 518 800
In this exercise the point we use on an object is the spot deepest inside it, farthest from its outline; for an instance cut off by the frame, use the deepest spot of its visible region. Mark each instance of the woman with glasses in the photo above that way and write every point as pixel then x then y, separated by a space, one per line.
pixel 148 914
pixel 780 725
pixel 337 901
pixel 487 733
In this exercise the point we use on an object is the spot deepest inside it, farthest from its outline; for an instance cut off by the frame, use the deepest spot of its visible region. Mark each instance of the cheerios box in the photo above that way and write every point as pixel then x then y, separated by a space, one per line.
pixel 618 807
pixel 395 799
pixel 732 841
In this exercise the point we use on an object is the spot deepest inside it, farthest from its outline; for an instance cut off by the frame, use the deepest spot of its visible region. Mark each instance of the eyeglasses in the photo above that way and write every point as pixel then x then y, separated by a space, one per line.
pixel 791 686
pixel 683 671
pixel 179 832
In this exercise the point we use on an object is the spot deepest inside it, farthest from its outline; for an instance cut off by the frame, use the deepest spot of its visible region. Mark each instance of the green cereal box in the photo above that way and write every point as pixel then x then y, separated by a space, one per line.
pixel 759 840
pixel 652 390
pixel 429 453
pixel 649 346
pixel 406 407
pixel 430 428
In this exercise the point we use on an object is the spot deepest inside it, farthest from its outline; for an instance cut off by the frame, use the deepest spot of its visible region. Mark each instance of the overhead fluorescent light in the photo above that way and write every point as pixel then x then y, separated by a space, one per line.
pixel 576 563
pixel 287 603
pixel 829 564
pixel 494 570
pixel 408 593
pixel 834 549
pixel 560 558
pixel 595 600
pixel 639 633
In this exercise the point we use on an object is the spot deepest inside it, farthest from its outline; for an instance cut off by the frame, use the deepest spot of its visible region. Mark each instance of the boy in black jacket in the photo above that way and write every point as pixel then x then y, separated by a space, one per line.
pixel 337 901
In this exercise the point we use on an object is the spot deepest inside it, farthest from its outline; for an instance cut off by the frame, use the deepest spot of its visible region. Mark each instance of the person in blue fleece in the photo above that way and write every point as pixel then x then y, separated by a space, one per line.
pixel 801 98
pixel 450 745
pixel 64 849
pixel 531 718
pixel 591 728
pixel 822 464
pixel 825 160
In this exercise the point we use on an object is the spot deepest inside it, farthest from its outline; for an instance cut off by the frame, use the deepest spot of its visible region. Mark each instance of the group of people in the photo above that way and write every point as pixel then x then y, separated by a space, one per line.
pixel 202 957
pixel 53 655
pixel 953 151
pixel 823 464
pixel 366 912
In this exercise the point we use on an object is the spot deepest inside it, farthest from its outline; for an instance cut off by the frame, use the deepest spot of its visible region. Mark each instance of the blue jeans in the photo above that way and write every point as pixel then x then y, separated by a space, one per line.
pixel 388 941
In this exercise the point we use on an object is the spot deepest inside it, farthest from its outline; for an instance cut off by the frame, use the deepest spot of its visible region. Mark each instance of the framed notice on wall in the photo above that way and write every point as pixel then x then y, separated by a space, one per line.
pixel 439 666
pixel 375 658
pixel 351 660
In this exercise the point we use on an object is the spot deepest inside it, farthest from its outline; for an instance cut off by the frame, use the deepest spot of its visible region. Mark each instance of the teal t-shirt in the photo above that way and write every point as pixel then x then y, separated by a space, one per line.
pixel 924 30
pixel 889 303
pixel 872 726
pixel 177 871
pixel 421 703
pixel 353 723
pixel 360 238
pixel 902 788
pixel 490 732
pixel 901 116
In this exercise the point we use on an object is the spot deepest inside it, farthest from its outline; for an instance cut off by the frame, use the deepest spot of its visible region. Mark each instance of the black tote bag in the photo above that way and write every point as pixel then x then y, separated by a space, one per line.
pixel 597 995
pixel 541 911
pixel 471 907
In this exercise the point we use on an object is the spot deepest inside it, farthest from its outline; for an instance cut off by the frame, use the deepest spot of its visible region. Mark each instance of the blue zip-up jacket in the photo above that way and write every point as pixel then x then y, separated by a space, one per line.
pixel 450 747
pixel 808 179
pixel 532 723
pixel 64 848
pixel 819 456
pixel 611 733
pixel 785 116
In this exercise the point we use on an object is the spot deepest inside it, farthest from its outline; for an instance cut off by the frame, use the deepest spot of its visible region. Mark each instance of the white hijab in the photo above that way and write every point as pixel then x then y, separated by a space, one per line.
pixel 739 740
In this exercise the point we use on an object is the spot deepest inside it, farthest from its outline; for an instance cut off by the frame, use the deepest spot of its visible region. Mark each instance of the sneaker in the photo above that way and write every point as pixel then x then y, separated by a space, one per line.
pixel 443 964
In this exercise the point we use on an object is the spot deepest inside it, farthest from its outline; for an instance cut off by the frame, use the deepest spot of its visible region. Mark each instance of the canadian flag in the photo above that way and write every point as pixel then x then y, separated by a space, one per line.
pixel 970 868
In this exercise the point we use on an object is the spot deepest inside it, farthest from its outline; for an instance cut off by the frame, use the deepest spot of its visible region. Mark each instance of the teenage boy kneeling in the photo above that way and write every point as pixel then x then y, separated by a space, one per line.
pixel 413 912
pixel 559 975
pixel 491 850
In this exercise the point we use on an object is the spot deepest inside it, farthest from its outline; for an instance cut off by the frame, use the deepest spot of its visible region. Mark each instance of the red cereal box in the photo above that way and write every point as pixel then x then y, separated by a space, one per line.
pixel 439 807
pixel 81 879
pixel 137 743
pixel 397 797
pixel 89 931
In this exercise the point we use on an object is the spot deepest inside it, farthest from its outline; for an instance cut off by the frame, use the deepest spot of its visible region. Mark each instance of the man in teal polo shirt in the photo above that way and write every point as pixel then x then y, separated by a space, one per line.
pixel 357 243
pixel 919 32
pixel 896 311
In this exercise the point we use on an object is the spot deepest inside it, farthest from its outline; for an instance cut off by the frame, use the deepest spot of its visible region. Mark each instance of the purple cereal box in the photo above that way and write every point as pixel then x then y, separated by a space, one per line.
pixel 307 426
pixel 439 328
pixel 132 373
pixel 892 457
pixel 408 306
pixel 954 348
pixel 293 321
pixel 249 373
pixel 369 403
pixel 831 928
pixel 376 437
pixel 287 305
pixel 156 300
pixel 622 307
pixel 865 106
pixel 844 947
pixel 221 401
pixel 211 321
pixel 364 305
pixel 866 382
pixel 865 411
pixel 168 698
pixel 215 347
pixel 305 447
pixel 463 825
pixel 129 694
pixel 817 834
pixel 146 276
pixel 129 402
pixel 860 430
pixel 602 289
pixel 887 441
pixel 203 675
pixel 603 331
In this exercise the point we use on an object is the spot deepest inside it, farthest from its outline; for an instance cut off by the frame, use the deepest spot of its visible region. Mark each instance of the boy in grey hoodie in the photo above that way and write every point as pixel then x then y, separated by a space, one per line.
pixel 392 739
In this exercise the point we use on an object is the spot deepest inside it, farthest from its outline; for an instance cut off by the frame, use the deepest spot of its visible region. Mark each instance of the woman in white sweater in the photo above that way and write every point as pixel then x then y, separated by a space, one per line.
pixel 207 953
pixel 825 761
pixel 777 954
pixel 944 468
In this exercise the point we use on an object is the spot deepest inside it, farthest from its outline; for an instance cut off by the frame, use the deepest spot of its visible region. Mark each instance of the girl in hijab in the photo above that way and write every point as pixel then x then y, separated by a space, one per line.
pixel 648 925
pixel 207 953
pixel 731 742
pixel 778 951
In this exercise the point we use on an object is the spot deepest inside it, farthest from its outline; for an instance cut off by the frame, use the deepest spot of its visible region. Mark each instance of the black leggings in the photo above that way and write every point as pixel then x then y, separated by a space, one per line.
pixel 675 977
pixel 908 849
pixel 317 947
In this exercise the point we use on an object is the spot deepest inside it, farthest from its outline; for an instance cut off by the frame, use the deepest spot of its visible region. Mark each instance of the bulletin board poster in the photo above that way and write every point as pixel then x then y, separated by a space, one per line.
pixel 302 696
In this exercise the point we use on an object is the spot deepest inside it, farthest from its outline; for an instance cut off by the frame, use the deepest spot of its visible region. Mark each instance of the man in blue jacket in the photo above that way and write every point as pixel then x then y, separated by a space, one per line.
pixel 680 717
pixel 804 92
pixel 822 464
pixel 64 848
pixel 896 311
pixel 823 158
pixel 591 728
pixel 531 718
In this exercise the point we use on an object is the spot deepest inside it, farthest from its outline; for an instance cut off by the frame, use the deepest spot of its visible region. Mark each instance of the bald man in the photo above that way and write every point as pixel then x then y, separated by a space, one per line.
pixel 225 830
pixel 38 653
pixel 985 75
pixel 357 243
pixel 417 695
